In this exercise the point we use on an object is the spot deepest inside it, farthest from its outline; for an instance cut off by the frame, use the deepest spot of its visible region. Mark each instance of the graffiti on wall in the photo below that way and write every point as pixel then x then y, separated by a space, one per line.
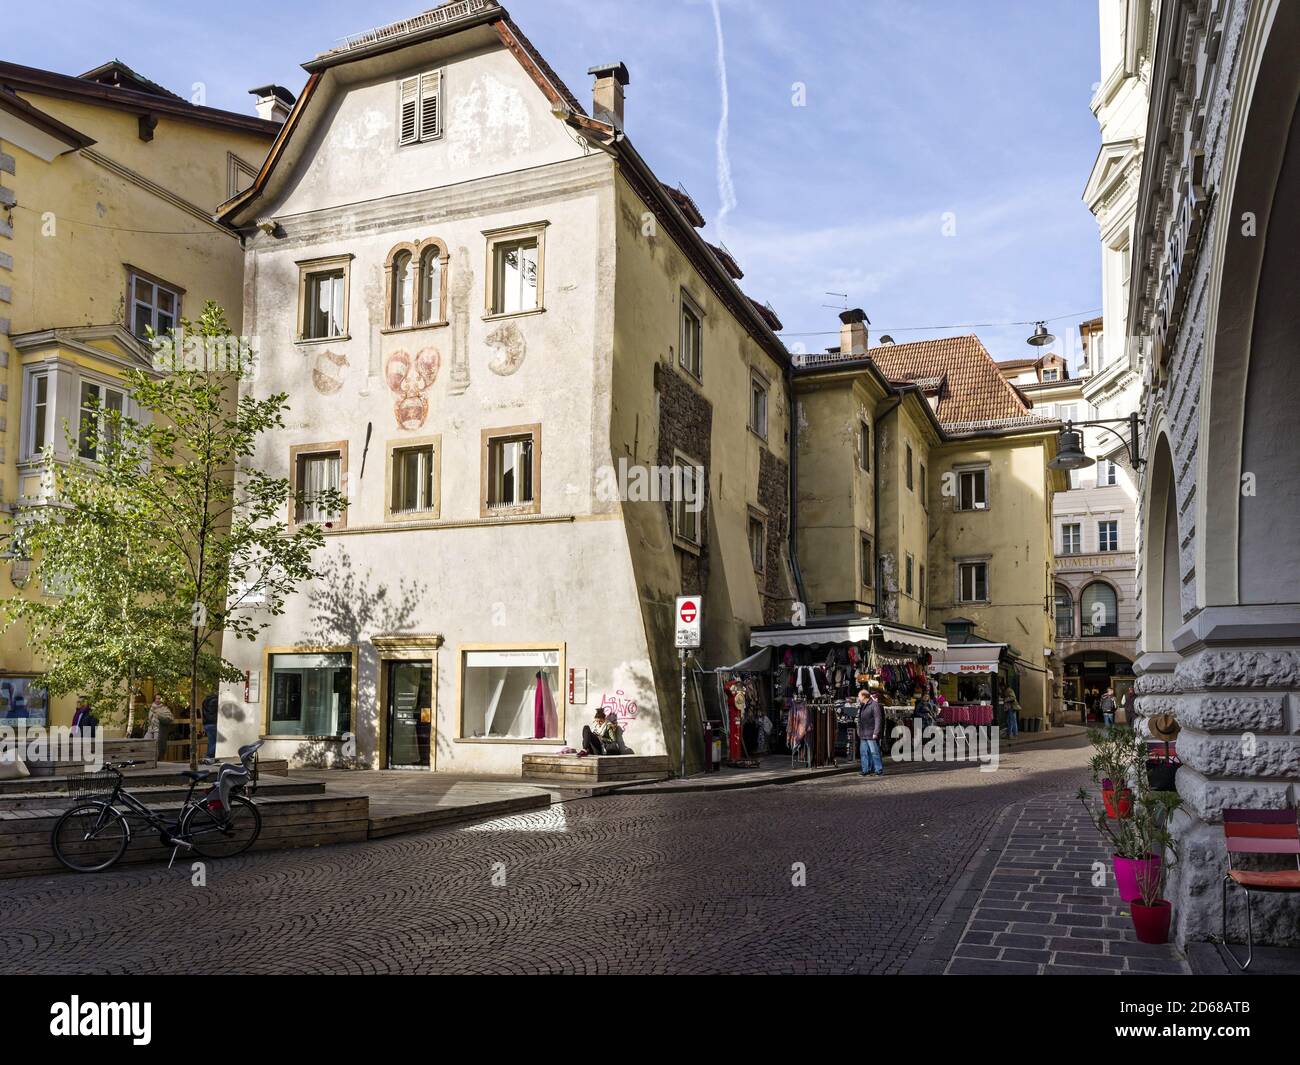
pixel 620 704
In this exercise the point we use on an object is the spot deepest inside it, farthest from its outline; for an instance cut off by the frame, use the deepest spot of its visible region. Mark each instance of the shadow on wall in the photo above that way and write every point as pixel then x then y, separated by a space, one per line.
pixel 346 607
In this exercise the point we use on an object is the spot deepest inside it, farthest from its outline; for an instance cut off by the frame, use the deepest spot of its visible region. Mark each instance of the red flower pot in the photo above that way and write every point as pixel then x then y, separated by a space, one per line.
pixel 1152 922
pixel 1130 872
pixel 1118 802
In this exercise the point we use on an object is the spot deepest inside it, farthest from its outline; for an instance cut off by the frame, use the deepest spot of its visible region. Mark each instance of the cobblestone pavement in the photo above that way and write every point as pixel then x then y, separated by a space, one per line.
pixel 647 883
pixel 1039 910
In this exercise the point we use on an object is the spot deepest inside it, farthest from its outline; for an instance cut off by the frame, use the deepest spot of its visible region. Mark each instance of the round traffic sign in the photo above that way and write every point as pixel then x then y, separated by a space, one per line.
pixel 688 612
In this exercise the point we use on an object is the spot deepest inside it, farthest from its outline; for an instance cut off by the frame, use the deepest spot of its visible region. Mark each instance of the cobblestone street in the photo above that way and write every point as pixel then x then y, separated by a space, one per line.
pixel 679 883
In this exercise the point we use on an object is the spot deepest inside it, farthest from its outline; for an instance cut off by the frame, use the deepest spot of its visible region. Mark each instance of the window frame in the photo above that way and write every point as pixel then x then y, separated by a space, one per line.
pixel 1084 623
pixel 961 565
pixel 757 519
pixel 909 575
pixel 307 269
pixel 268 687
pixel 983 471
pixel 683 461
pixel 1078 537
pixel 500 238
pixel 134 273
pixel 561 703
pixel 688 305
pixel 487 438
pixel 908 472
pixel 418 135
pixel 83 381
pixel 867 560
pixel 419 251
pixel 1060 592
pixel 1101 548
pixel 759 384
pixel 434 511
pixel 864 445
pixel 30 449
pixel 297 453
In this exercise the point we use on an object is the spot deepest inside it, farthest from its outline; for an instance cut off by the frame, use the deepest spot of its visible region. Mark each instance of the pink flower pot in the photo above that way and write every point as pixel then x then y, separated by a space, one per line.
pixel 1127 871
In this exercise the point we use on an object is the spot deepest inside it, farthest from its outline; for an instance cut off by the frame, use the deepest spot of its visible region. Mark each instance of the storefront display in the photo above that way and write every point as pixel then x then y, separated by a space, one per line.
pixel 311 694
pixel 510 693
pixel 23 702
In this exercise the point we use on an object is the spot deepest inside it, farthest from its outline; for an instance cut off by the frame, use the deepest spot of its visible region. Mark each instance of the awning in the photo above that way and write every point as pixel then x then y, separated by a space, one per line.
pixel 913 639
pixel 849 631
pixel 968 658
pixel 758 662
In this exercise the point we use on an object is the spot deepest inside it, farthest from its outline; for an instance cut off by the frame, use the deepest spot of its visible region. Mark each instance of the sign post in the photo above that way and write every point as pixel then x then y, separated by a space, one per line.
pixel 687 618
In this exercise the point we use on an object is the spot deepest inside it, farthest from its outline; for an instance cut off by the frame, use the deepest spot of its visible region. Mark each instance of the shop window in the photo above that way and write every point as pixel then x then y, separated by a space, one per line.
pixel 515 269
pixel 1071 538
pixel 1064 604
pixel 315 470
pixel 1108 536
pixel 311 694
pixel 323 298
pixel 96 430
pixel 1099 610
pixel 973 489
pixel 868 563
pixel 511 470
pixel 413 479
pixel 154 304
pixel 691 342
pixel 688 487
pixel 864 447
pixel 973 582
pixel 499 693
pixel 757 542
pixel 758 405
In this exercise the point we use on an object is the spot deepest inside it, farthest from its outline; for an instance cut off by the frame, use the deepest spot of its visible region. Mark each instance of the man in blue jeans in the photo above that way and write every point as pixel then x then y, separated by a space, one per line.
pixel 1011 707
pixel 869 722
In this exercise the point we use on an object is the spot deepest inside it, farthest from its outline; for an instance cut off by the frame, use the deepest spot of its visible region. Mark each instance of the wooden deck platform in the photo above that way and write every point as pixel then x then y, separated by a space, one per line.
pixel 595 768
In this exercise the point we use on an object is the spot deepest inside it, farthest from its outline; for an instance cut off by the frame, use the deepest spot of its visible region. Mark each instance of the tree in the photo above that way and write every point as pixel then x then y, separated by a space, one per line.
pixel 161 545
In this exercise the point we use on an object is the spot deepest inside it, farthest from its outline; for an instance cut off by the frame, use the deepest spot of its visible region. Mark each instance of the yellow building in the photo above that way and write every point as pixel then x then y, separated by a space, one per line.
pixel 108 183
pixel 925 499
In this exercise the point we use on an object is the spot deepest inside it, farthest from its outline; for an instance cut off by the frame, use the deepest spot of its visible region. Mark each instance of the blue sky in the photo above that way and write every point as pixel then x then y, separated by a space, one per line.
pixel 915 113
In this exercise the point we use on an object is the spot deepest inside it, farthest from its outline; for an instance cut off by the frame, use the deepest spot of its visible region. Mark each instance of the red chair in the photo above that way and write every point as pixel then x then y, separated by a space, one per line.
pixel 1258 832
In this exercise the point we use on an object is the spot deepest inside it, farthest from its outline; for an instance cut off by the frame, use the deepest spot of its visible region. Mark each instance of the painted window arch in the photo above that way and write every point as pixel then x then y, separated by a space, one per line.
pixel 1099 610
pixel 416 282
pixel 1064 603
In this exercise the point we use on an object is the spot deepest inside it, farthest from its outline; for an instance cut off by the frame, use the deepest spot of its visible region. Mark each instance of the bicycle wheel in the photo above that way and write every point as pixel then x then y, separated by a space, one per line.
pixel 212 836
pixel 90 837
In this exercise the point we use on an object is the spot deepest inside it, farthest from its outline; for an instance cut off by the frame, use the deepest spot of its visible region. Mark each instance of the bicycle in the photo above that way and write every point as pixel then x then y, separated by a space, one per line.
pixel 94 834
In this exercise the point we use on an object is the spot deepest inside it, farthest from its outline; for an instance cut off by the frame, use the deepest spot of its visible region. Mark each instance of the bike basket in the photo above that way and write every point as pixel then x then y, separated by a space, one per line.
pixel 100 783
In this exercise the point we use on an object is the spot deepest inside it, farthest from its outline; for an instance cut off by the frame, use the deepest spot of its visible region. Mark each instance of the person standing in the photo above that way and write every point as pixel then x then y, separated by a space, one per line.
pixel 1011 707
pixel 210 706
pixel 869 723
pixel 1107 706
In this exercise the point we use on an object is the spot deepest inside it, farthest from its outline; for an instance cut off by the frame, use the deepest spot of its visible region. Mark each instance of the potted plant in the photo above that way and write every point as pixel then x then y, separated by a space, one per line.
pixel 1151 912
pixel 1119 751
pixel 1137 843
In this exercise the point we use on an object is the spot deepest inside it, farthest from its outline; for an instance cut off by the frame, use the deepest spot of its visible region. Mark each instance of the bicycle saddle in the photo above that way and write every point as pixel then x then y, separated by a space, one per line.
pixel 190 774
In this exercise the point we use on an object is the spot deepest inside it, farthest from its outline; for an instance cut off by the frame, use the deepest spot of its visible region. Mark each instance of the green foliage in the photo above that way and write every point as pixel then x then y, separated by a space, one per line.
pixel 157 547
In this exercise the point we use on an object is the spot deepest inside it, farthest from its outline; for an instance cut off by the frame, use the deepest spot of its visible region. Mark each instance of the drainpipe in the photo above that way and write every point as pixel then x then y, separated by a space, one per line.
pixel 793 530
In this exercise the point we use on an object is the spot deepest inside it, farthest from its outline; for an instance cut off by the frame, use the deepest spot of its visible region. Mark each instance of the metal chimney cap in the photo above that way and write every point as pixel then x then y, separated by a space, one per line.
pixel 617 71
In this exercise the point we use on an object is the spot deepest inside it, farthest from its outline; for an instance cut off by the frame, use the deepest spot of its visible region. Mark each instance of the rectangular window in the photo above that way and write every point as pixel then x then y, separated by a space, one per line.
pixel 511 471
pixel 907 584
pixel 757 542
pixel 1107 473
pixel 311 694
pixel 323 286
pixel 972 490
pixel 691 355
pixel 420 107
pixel 1108 536
pixel 38 417
pixel 688 486
pixel 1071 538
pixel 973 582
pixel 316 472
pixel 515 276
pixel 95 429
pixel 922 483
pixel 921 587
pixel 758 405
pixel 864 447
pixel 414 483
pixel 499 692
pixel 154 304
pixel 1073 481
pixel 1050 375
pixel 868 561
pixel 909 467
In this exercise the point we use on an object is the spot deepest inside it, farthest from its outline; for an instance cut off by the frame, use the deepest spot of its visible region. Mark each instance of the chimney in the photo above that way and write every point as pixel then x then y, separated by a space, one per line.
pixel 853 332
pixel 274 102
pixel 607 93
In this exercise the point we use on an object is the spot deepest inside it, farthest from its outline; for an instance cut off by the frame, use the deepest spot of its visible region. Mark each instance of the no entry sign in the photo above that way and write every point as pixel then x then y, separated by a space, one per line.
pixel 688 621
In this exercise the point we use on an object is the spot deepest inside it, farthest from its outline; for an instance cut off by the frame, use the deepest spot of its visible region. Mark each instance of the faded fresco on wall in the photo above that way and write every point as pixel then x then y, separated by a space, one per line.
pixel 327 372
pixel 462 285
pixel 410 380
pixel 510 349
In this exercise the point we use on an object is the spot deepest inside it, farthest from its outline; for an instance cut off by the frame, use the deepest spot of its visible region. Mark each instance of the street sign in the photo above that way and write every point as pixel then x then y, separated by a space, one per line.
pixel 688 618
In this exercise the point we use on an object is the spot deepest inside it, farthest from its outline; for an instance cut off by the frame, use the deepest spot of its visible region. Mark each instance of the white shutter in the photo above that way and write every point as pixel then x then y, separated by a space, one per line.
pixel 409 95
pixel 430 94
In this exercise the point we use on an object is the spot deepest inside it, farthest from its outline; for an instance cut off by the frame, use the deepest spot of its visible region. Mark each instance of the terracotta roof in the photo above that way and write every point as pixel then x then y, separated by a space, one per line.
pixel 975 393
pixel 728 261
pixel 767 314
pixel 685 203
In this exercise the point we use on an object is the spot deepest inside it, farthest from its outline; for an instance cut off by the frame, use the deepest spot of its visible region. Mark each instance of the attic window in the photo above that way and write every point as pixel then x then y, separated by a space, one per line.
pixel 420 107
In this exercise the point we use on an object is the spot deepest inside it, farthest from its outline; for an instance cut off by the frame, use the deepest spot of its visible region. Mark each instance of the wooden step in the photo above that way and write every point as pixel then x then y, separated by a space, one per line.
pixel 599 768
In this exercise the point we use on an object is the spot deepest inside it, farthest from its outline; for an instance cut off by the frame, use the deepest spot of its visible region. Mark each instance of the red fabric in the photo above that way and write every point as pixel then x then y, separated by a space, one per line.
pixel 539 711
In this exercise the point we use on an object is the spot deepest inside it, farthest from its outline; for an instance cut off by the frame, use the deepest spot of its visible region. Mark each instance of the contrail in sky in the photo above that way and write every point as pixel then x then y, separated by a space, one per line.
pixel 726 190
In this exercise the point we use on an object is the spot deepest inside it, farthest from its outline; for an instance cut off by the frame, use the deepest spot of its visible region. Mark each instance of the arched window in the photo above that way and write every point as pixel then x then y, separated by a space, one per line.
pixel 399 290
pixel 431 309
pixel 1064 613
pixel 1099 610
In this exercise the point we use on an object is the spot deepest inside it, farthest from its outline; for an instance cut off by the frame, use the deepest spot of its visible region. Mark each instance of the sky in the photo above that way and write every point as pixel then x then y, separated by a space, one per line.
pixel 921 159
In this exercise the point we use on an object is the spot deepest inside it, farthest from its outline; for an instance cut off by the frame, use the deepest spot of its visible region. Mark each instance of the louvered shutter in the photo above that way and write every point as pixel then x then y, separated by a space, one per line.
pixel 409 110
pixel 430 92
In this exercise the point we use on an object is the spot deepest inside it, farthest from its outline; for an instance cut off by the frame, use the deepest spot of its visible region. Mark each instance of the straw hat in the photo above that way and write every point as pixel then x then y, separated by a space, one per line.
pixel 1163 727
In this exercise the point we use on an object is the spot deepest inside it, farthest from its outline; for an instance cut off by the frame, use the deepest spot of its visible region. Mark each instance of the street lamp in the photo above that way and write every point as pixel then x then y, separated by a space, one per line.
pixel 1040 337
pixel 1069 443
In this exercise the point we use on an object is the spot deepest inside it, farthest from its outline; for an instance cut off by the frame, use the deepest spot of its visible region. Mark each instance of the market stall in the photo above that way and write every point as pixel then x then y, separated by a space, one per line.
pixel 818 668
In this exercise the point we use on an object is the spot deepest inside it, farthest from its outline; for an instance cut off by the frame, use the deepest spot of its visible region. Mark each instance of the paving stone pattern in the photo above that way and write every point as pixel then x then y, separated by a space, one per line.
pixel 674 883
